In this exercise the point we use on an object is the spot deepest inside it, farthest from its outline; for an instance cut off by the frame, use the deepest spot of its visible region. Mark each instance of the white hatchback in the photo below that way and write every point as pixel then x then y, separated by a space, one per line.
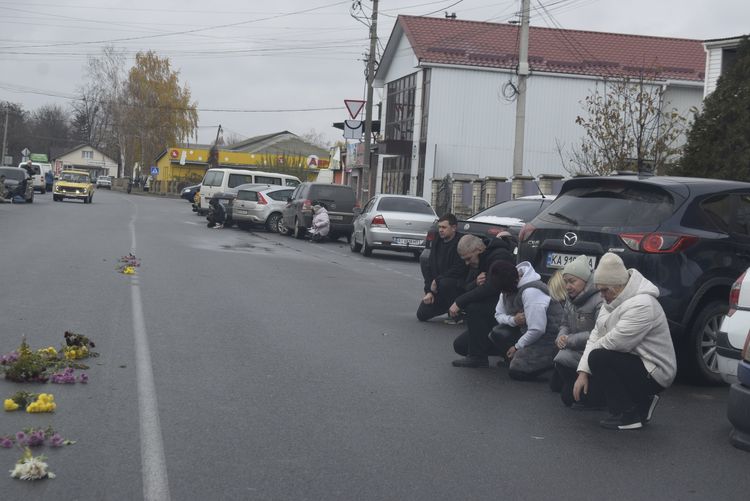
pixel 734 329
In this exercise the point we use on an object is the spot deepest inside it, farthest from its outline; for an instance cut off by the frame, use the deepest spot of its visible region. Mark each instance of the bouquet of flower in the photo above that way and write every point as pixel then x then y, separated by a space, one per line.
pixel 35 437
pixel 31 467
pixel 128 264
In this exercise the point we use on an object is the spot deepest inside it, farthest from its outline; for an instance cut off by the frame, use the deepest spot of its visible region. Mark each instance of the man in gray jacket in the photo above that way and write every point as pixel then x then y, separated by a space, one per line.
pixel 579 315
pixel 630 351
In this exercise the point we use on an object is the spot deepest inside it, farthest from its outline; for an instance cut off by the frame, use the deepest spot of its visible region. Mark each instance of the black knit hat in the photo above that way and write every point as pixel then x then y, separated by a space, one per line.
pixel 503 276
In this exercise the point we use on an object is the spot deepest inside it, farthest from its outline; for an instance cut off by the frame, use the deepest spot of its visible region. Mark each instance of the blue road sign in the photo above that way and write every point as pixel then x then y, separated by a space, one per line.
pixel 154 171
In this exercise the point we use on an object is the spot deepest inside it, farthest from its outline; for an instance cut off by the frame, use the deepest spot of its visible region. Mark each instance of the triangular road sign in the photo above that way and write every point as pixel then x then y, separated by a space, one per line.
pixel 354 106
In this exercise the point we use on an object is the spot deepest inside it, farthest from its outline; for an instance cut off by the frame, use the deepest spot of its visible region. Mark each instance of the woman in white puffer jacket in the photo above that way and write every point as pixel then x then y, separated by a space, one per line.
pixel 629 353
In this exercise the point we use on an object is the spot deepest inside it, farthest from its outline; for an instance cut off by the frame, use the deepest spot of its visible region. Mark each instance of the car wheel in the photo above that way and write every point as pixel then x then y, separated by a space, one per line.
pixel 299 231
pixel 43 191
pixel 55 198
pixel 272 223
pixel 353 245
pixel 699 352
pixel 366 249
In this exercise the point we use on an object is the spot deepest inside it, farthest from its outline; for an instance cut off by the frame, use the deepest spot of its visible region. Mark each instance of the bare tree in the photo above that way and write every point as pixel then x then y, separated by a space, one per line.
pixel 50 129
pixel 312 136
pixel 627 126
pixel 98 112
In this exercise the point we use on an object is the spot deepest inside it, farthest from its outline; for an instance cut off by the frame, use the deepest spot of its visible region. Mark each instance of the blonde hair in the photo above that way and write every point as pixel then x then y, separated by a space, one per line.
pixel 556 287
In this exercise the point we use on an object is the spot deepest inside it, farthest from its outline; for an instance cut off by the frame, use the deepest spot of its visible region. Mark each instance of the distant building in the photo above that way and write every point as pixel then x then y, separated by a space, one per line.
pixel 283 152
pixel 721 53
pixel 86 157
pixel 449 106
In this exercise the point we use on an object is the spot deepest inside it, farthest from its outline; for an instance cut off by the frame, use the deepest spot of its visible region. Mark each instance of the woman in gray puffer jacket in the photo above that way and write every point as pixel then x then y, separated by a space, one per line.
pixel 579 317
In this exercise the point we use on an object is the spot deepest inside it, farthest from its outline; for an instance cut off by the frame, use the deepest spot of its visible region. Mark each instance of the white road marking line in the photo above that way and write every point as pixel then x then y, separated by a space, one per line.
pixel 153 462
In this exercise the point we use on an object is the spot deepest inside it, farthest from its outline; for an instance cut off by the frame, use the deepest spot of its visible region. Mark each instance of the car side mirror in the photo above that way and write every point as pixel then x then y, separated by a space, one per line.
pixel 357 211
pixel 288 200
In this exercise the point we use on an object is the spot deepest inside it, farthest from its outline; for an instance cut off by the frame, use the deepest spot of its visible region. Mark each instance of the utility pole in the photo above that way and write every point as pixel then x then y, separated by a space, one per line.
pixel 523 74
pixel 5 138
pixel 368 104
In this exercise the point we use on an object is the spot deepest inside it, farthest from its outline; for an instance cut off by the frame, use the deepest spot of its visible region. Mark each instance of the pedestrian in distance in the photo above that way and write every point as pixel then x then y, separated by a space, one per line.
pixel 29 167
pixel 445 272
pixel 579 316
pixel 479 301
pixel 321 224
pixel 629 352
pixel 528 320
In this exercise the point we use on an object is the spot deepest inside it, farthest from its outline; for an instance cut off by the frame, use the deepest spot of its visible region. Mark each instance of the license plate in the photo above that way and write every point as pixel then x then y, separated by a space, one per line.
pixel 336 218
pixel 557 260
pixel 408 241
pixel 241 211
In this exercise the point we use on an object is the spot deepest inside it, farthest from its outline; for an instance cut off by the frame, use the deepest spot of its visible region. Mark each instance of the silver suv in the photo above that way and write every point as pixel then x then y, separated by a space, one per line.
pixel 260 205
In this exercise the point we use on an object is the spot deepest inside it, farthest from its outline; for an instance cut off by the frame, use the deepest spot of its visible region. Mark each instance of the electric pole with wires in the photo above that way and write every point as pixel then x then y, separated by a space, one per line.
pixel 523 74
pixel 368 105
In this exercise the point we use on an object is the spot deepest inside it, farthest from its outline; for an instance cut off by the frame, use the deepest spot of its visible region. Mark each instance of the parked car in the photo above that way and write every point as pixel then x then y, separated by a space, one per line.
pixel 222 180
pixel 188 192
pixel 509 216
pixel 73 184
pixel 260 205
pixel 339 200
pixel 14 177
pixel 734 329
pixel 738 406
pixel 392 222
pixel 104 182
pixel 689 236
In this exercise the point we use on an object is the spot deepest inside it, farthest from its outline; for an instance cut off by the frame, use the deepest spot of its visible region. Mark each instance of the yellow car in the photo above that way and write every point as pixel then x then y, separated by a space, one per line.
pixel 73 184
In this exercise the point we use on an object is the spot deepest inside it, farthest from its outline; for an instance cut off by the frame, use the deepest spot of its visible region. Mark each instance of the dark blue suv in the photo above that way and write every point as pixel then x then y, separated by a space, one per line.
pixel 689 236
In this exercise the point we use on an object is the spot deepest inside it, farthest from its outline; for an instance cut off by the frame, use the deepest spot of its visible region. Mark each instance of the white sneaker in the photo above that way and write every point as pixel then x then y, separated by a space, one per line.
pixel 218 226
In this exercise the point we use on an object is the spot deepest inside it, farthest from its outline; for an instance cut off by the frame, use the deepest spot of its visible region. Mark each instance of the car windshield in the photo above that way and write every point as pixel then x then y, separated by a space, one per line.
pixel 14 174
pixel 525 210
pixel 73 177
pixel 398 204
pixel 614 205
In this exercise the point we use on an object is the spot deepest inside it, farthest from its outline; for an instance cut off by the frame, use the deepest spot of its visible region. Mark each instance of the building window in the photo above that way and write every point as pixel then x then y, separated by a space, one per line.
pixel 399 115
pixel 88 155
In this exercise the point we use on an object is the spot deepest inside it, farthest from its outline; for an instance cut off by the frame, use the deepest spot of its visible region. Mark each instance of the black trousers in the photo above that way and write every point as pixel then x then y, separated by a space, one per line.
pixel 447 294
pixel 623 378
pixel 479 320
pixel 567 376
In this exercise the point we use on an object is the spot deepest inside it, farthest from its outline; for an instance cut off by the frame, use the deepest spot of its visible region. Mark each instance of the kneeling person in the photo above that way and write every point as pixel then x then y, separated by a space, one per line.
pixel 528 320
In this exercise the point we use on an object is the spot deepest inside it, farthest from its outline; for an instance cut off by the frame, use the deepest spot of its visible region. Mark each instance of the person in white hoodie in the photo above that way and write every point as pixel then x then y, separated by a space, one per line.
pixel 321 224
pixel 629 353
pixel 528 320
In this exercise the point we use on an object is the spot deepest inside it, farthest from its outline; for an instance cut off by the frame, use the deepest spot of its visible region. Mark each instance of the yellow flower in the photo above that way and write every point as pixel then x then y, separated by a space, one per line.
pixel 10 404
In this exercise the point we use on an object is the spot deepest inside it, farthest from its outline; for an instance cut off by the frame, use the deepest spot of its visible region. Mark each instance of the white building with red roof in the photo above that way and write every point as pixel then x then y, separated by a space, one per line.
pixel 449 106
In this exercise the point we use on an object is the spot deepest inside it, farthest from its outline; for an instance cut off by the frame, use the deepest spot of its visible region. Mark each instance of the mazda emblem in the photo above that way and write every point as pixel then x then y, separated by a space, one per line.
pixel 570 239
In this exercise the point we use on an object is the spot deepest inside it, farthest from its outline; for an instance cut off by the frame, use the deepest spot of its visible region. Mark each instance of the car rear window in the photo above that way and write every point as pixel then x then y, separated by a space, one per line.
pixel 14 174
pixel 525 210
pixel 398 204
pixel 343 194
pixel 611 204
pixel 251 196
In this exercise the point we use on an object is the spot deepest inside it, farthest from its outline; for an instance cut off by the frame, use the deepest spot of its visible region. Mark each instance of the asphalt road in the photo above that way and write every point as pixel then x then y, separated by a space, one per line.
pixel 248 365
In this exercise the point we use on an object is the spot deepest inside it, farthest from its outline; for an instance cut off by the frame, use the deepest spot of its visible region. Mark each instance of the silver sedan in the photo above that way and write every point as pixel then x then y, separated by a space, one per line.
pixel 392 222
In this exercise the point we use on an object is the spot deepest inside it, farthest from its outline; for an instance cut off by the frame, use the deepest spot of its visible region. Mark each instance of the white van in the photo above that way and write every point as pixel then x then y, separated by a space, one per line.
pixel 221 180
pixel 40 169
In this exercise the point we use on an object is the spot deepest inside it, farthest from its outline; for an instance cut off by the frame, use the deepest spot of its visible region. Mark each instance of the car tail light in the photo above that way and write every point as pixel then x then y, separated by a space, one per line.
pixel 430 235
pixel 356 204
pixel 734 295
pixel 262 200
pixel 657 243
pixel 526 232
pixel 306 205
pixel 378 221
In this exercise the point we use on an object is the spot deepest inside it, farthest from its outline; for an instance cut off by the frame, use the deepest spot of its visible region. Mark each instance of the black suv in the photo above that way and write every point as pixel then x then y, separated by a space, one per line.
pixel 689 236
pixel 339 200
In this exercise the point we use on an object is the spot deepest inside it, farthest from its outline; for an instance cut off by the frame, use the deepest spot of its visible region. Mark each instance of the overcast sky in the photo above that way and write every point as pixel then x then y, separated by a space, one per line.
pixel 252 57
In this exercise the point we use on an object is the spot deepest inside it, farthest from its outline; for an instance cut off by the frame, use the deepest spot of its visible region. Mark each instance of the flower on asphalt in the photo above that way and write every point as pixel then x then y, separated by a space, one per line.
pixel 9 404
pixel 31 467
pixel 56 440
pixel 6 442
pixel 83 378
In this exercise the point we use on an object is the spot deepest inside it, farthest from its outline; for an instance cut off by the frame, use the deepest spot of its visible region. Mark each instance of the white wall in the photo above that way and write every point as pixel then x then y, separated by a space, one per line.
pixel 404 61
pixel 713 69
